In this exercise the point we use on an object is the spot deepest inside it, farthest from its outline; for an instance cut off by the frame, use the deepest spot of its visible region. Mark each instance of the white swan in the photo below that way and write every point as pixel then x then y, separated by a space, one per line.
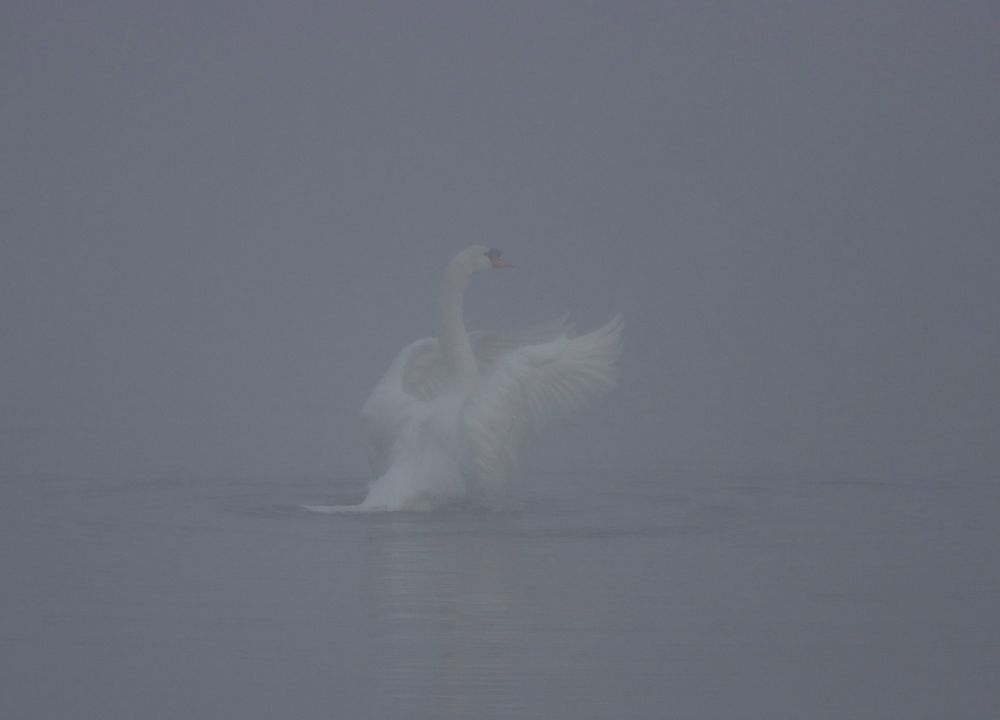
pixel 445 421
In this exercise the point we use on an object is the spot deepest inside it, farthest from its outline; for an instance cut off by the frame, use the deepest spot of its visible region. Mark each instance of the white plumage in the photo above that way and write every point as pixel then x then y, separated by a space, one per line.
pixel 445 421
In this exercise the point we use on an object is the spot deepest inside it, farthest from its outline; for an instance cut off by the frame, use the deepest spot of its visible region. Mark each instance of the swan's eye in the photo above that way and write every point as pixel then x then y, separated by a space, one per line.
pixel 492 253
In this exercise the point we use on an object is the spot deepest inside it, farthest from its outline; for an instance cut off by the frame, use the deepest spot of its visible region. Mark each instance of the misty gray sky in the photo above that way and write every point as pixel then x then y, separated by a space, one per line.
pixel 219 222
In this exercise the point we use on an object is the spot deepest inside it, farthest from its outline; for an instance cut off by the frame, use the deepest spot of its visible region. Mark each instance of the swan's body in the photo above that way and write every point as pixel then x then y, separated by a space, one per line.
pixel 445 420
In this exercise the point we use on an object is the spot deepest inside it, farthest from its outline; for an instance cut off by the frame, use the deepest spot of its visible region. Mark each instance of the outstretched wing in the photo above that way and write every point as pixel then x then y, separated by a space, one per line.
pixel 531 385
pixel 419 374
pixel 408 382
pixel 488 347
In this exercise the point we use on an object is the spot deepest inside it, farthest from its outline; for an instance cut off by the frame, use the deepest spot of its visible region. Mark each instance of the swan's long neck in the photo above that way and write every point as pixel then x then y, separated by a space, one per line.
pixel 455 344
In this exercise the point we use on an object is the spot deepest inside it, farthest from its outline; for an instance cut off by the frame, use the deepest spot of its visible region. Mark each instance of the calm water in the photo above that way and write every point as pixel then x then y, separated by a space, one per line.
pixel 627 595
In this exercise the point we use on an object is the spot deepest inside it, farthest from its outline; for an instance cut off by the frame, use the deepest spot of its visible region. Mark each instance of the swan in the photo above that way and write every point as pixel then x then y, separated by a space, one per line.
pixel 445 421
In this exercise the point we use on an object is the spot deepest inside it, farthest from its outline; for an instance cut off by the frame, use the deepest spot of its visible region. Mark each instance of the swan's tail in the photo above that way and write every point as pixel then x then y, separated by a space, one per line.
pixel 421 480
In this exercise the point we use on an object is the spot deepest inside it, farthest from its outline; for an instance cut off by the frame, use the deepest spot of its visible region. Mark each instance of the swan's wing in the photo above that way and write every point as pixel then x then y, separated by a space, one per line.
pixel 419 374
pixel 420 370
pixel 424 372
pixel 531 385
pixel 414 376
pixel 488 347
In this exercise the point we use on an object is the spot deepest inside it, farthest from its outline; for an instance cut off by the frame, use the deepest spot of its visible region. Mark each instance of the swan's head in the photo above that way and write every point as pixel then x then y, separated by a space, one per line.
pixel 480 257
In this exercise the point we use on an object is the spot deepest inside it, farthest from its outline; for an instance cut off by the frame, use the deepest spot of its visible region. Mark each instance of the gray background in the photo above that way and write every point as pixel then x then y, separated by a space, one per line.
pixel 220 222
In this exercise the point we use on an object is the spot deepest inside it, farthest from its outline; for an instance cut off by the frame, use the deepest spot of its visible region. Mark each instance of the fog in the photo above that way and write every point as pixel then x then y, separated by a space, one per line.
pixel 221 222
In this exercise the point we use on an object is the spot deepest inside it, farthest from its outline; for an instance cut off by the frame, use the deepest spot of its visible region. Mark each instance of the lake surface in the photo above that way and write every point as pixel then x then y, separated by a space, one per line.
pixel 604 595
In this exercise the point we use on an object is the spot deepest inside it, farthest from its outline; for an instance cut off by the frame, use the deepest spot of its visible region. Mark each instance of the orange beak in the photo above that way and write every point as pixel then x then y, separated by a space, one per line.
pixel 498 262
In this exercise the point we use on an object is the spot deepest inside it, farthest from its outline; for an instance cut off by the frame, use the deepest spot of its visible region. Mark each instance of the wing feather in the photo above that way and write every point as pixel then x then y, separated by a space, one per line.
pixel 557 368
pixel 488 347
pixel 532 385
pixel 395 399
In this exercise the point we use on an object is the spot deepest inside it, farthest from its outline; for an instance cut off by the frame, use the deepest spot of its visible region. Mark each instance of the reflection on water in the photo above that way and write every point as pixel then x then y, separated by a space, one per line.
pixel 445 619
pixel 602 597
pixel 504 614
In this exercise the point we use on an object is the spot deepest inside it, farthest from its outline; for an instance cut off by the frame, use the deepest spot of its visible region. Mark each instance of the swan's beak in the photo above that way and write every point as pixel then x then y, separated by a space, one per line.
pixel 498 262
